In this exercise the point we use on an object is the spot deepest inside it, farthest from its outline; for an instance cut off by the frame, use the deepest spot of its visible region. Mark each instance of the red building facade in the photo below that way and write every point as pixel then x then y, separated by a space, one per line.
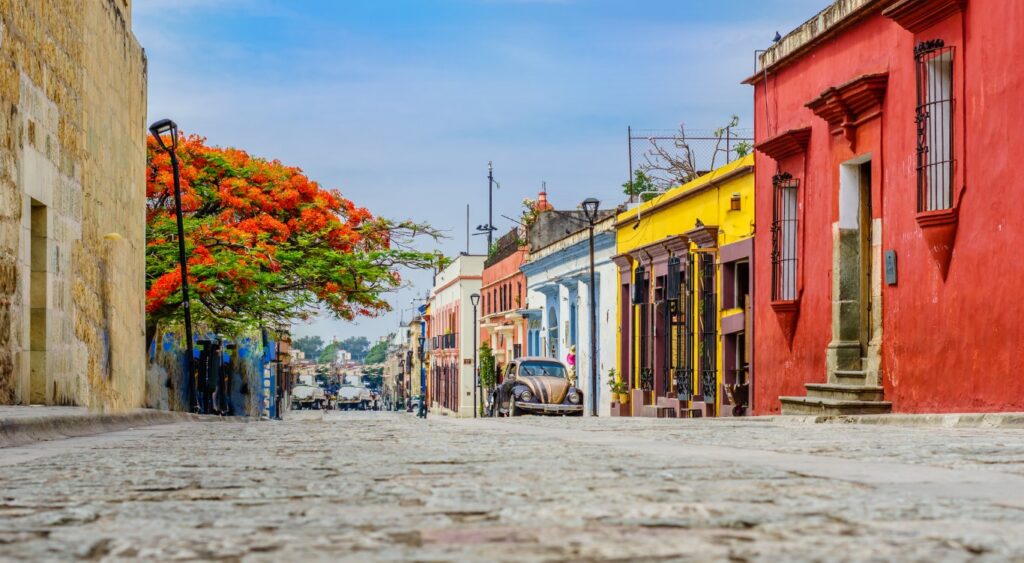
pixel 891 214
pixel 502 298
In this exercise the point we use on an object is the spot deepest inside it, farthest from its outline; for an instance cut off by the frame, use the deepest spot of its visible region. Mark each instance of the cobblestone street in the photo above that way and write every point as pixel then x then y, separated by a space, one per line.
pixel 383 486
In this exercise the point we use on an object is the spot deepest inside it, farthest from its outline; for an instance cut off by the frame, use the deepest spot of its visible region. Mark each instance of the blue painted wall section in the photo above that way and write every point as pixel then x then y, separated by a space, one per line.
pixel 245 358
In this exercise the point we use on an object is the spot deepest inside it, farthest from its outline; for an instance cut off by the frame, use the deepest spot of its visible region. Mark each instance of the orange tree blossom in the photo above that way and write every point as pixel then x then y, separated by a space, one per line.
pixel 266 245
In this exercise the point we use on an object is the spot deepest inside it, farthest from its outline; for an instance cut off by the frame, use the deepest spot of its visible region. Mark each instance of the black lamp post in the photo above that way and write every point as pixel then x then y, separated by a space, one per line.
pixel 399 385
pixel 423 371
pixel 475 300
pixel 590 206
pixel 159 129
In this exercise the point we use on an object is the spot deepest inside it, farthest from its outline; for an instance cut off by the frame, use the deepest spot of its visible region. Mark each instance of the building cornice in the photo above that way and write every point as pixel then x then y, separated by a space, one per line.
pixel 785 145
pixel 918 15
pixel 849 105
pixel 823 26
pixel 702 184
pixel 577 250
pixel 450 283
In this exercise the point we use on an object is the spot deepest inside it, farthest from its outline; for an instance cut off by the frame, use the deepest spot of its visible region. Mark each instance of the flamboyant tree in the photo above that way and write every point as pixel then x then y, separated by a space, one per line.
pixel 266 244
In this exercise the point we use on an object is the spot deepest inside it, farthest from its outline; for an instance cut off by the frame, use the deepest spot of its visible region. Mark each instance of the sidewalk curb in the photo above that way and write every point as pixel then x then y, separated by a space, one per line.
pixel 962 420
pixel 22 431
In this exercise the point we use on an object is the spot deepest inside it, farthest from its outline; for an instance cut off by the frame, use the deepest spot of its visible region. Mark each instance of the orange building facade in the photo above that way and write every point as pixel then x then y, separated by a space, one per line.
pixel 502 296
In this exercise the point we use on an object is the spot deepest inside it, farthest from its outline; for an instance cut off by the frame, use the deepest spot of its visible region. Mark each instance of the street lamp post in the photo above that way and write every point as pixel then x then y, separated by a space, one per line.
pixel 159 129
pixel 399 385
pixel 423 371
pixel 590 206
pixel 475 299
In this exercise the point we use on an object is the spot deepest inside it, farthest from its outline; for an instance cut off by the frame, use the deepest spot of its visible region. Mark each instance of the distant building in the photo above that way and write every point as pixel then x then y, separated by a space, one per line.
pixel 503 296
pixel 557 308
pixel 452 379
pixel 684 297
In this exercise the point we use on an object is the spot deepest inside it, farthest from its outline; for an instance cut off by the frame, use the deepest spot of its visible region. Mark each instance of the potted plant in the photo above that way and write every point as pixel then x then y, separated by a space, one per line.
pixel 619 389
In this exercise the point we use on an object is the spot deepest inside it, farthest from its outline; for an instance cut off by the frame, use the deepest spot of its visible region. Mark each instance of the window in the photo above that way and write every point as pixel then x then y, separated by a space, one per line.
pixel 708 328
pixel 536 368
pixel 934 125
pixel 741 281
pixel 784 230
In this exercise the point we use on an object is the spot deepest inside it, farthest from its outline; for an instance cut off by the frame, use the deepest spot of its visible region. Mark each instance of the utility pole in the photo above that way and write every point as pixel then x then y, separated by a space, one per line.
pixel 490 205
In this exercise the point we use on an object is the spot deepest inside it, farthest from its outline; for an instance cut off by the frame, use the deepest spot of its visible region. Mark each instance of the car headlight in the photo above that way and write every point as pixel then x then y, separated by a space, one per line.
pixel 526 395
pixel 574 397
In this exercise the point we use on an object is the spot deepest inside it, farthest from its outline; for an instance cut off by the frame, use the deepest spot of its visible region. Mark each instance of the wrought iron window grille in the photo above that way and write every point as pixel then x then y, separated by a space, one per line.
pixel 784 236
pixel 708 328
pixel 934 121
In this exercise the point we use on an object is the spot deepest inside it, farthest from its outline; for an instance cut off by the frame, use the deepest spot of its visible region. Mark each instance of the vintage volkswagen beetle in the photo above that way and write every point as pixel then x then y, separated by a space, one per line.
pixel 536 385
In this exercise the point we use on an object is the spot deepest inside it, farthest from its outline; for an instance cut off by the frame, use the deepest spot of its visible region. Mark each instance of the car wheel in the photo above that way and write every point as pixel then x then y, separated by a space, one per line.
pixel 512 409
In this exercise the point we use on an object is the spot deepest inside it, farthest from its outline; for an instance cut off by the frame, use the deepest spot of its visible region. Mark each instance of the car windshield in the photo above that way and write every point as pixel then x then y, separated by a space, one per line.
pixel 550 369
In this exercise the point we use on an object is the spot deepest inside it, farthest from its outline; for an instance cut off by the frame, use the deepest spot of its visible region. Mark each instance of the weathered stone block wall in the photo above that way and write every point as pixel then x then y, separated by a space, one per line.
pixel 72 156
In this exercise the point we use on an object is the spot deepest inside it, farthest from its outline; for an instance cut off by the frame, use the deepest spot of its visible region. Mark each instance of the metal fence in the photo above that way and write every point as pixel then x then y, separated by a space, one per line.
pixel 705 149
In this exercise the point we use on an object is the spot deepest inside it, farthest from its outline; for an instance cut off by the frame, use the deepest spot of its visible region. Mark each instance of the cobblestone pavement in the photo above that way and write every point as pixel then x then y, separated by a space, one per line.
pixel 383 486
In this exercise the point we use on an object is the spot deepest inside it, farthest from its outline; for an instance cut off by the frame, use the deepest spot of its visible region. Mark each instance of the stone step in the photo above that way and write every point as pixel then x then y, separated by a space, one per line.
pixel 654 411
pixel 850 377
pixel 845 392
pixel 818 405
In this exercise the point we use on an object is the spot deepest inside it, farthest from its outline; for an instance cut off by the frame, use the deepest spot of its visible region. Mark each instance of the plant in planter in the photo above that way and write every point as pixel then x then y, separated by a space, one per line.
pixel 619 389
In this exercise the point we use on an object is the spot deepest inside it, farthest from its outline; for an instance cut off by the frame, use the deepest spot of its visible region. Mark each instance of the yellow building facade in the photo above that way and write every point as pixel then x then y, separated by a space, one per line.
pixel 685 298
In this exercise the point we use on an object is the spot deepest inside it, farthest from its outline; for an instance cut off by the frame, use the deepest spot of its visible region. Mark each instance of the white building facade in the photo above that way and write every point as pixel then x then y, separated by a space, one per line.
pixel 558 306
pixel 451 325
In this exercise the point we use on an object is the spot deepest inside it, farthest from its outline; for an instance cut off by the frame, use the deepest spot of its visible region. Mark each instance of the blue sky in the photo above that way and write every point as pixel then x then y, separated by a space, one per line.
pixel 401 103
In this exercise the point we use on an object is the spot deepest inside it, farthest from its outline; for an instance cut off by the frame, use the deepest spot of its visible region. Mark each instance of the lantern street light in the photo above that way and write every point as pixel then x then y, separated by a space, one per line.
pixel 590 206
pixel 475 300
pixel 159 129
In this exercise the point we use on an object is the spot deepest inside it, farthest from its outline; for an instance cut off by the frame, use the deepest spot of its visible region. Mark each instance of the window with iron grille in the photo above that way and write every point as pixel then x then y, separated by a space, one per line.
pixel 661 331
pixel 934 125
pixel 784 231
pixel 708 328
pixel 681 305
pixel 642 289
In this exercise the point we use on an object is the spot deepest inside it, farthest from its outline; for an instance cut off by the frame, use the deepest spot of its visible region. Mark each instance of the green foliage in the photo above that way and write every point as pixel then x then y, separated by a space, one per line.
pixel 723 130
pixel 615 384
pixel 488 375
pixel 311 346
pixel 743 148
pixel 358 346
pixel 641 184
pixel 378 353
pixel 328 354
pixel 373 378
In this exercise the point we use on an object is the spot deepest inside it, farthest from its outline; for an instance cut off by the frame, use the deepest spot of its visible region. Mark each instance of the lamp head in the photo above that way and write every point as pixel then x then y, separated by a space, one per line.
pixel 165 127
pixel 475 299
pixel 590 206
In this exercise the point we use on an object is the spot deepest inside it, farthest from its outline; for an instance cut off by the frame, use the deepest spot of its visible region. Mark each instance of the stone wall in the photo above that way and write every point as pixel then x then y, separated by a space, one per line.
pixel 72 204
